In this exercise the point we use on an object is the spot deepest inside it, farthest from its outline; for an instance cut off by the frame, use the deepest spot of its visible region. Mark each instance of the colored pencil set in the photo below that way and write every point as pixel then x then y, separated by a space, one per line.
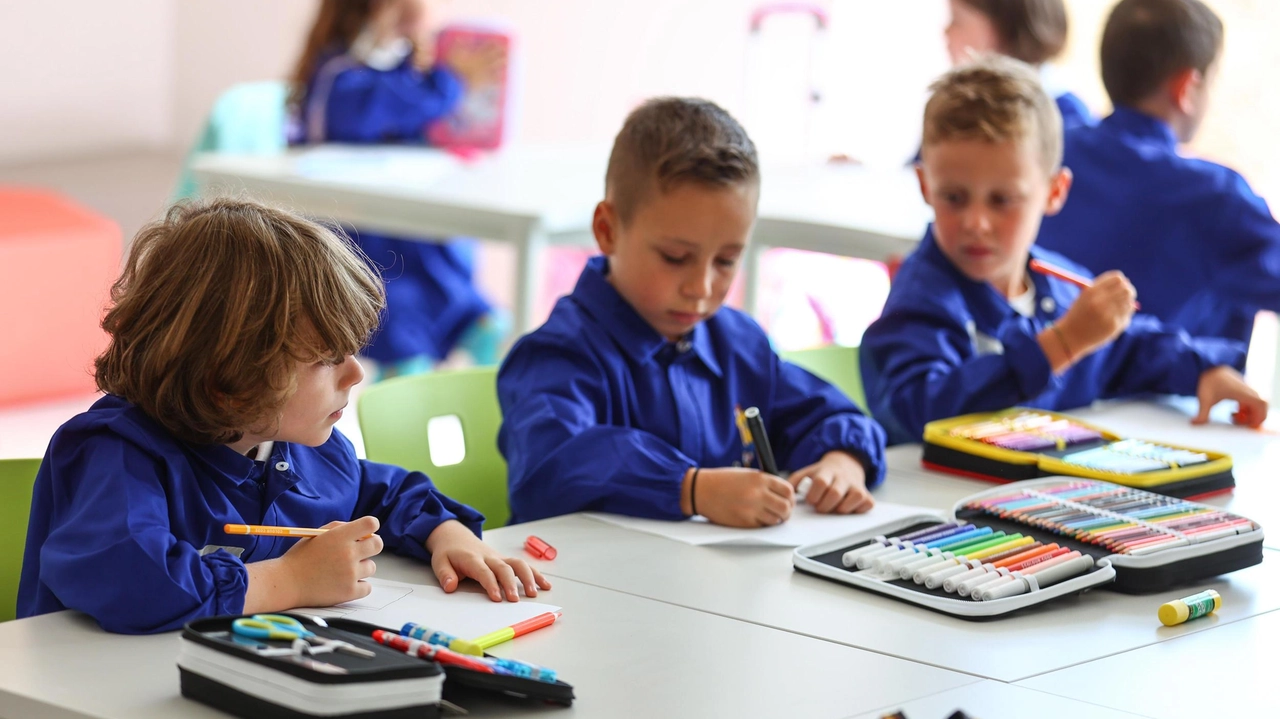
pixel 1020 443
pixel 1121 520
pixel 971 561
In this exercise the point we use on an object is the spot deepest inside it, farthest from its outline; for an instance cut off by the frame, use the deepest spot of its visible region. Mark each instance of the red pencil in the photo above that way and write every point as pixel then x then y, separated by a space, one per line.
pixel 1045 268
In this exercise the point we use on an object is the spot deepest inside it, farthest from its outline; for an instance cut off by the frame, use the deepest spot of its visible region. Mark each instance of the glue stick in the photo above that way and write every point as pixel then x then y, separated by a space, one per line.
pixel 1196 605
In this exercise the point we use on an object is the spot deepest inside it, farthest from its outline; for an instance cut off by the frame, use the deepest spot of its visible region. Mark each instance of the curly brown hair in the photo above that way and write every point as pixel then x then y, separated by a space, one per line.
pixel 218 303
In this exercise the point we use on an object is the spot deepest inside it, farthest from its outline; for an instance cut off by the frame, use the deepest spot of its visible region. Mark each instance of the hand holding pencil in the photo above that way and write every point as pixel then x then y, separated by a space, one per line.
pixel 1100 314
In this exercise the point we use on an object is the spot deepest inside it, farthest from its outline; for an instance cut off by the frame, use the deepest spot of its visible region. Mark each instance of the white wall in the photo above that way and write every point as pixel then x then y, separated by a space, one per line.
pixel 71 86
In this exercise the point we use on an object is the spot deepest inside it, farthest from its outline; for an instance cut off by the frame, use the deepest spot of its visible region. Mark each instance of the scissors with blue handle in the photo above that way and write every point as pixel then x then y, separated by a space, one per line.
pixel 278 626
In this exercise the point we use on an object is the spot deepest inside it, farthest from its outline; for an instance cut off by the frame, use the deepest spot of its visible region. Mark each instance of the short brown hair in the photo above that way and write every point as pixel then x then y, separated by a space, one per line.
pixel 1033 31
pixel 1147 42
pixel 995 99
pixel 217 303
pixel 672 140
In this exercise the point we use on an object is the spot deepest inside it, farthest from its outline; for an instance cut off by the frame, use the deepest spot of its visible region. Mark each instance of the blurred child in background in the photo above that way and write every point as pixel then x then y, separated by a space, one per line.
pixel 368 74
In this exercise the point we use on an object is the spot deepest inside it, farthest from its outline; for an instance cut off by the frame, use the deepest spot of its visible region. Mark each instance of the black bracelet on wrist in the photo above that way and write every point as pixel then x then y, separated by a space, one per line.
pixel 693 492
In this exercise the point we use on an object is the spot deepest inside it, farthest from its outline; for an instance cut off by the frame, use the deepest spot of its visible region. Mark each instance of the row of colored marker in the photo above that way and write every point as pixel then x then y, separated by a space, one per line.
pixel 1028 431
pixel 1121 519
pixel 970 561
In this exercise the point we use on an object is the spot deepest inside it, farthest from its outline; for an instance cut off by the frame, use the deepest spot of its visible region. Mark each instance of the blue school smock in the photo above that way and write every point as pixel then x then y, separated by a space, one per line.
pixel 126 520
pixel 947 345
pixel 431 296
pixel 1201 248
pixel 602 413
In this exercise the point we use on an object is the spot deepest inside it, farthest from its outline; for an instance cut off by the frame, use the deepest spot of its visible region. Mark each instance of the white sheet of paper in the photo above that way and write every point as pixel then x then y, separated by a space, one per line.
pixel 804 527
pixel 463 614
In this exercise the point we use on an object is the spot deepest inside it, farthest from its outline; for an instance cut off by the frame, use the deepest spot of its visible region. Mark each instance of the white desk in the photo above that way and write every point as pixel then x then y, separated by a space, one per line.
pixel 1227 672
pixel 626 657
pixel 535 196
pixel 1255 454
pixel 996 700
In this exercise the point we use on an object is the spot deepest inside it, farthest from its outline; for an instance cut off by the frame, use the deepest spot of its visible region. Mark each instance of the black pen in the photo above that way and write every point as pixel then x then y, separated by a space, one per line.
pixel 761 440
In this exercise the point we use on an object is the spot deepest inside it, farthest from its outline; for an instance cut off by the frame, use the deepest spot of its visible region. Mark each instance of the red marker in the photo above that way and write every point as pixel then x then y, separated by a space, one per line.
pixel 1045 268
pixel 539 548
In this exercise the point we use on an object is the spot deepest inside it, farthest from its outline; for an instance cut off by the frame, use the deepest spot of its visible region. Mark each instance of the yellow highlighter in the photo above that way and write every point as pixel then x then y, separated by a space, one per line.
pixel 506 634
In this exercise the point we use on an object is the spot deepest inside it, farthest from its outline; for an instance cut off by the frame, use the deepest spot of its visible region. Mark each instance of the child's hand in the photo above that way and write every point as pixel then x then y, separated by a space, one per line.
pixel 327 569
pixel 456 551
pixel 838 484
pixel 1222 383
pixel 1099 314
pixel 742 497
pixel 477 64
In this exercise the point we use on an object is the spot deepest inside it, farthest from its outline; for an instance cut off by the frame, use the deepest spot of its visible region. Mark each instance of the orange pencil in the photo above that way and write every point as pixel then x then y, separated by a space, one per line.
pixel 1045 268
pixel 266 531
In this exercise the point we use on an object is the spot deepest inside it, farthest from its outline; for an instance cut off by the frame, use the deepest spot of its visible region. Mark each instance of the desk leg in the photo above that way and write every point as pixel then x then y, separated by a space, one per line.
pixel 528 266
pixel 751 278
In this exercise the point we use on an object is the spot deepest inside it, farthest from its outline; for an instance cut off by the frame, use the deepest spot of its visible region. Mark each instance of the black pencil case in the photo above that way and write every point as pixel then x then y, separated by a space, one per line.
pixel 1184 558
pixel 231 673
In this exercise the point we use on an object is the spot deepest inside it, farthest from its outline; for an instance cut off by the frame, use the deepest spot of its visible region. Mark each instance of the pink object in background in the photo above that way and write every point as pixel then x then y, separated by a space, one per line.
pixel 479 122
pixel 57 263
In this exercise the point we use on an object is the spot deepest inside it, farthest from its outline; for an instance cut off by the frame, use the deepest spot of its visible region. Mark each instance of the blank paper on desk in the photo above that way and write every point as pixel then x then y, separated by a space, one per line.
pixel 805 526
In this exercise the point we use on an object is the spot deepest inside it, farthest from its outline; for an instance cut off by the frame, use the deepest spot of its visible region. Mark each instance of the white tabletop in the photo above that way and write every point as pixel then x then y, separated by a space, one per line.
pixel 994 700
pixel 1226 672
pixel 759 585
pixel 626 657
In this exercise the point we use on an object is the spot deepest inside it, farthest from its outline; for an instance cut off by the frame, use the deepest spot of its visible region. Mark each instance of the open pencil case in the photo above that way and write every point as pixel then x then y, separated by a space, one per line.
pixel 1005 541
pixel 242 677
pixel 1021 443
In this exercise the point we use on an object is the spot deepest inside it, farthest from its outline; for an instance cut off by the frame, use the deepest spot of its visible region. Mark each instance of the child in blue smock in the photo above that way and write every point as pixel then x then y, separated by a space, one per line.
pixel 624 401
pixel 366 76
pixel 968 328
pixel 232 333
pixel 1201 248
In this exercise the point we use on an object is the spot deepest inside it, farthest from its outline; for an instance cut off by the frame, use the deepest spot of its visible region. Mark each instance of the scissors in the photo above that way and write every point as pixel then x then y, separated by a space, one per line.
pixel 278 626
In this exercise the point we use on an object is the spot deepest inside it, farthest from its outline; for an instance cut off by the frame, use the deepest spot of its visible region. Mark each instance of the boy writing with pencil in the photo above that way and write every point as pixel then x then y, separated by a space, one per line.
pixel 968 328
pixel 233 329
pixel 625 400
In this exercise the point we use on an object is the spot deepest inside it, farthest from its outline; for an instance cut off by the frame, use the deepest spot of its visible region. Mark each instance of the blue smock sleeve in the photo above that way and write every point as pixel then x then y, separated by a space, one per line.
pixel 368 105
pixel 110 552
pixel 409 507
pixel 810 417
pixel 1242 245
pixel 1149 357
pixel 563 457
pixel 918 367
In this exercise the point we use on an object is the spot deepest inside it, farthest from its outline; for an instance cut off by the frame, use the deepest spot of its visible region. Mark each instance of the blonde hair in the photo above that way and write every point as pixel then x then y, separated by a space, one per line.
pixel 994 99
pixel 217 304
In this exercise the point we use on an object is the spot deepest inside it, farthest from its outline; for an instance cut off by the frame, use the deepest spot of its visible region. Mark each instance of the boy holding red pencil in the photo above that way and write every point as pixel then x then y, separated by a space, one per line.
pixel 967 328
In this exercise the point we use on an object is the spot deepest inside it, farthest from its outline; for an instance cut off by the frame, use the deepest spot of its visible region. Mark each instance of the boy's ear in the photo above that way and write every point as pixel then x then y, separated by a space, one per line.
pixel 924 185
pixel 1059 188
pixel 604 225
pixel 1182 87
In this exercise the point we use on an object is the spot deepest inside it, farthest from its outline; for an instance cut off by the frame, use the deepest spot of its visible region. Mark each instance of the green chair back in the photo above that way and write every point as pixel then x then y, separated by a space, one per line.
pixel 394 416
pixel 835 364
pixel 17 476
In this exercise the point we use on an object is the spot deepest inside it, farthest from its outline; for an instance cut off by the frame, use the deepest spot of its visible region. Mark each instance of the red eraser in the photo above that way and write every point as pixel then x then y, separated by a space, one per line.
pixel 539 548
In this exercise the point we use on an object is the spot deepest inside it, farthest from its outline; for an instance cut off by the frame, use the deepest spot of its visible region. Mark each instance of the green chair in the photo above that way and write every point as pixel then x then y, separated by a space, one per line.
pixel 393 419
pixel 247 119
pixel 835 364
pixel 17 476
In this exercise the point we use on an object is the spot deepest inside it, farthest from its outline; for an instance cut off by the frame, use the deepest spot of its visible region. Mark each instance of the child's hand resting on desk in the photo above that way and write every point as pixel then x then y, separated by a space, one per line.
pixel 1222 383
pixel 738 497
pixel 456 551
pixel 838 484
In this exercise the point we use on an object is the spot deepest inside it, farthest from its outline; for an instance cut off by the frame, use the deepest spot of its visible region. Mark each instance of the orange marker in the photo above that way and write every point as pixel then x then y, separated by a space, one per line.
pixel 1045 268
